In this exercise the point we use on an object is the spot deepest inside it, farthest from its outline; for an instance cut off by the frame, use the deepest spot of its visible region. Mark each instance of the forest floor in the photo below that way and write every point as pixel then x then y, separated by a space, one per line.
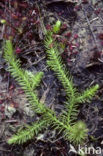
pixel 82 30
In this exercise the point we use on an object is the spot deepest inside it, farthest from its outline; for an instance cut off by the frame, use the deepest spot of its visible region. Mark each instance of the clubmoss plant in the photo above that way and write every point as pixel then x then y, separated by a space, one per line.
pixel 74 98
pixel 65 123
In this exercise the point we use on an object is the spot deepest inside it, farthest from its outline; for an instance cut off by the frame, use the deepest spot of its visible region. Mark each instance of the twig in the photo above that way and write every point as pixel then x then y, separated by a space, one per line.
pixel 11 121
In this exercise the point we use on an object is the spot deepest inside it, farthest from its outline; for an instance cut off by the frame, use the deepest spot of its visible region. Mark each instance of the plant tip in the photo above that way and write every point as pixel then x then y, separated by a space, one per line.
pixel 57 26
pixel 97 86
pixel 3 21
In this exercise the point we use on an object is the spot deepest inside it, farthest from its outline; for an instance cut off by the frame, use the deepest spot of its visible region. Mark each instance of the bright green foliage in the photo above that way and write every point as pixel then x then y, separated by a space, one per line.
pixel 21 76
pixel 78 128
pixel 27 80
pixel 72 107
pixel 66 121
pixel 73 97
pixel 47 115
pixel 56 27
pixel 87 94
pixel 55 63
pixel 28 133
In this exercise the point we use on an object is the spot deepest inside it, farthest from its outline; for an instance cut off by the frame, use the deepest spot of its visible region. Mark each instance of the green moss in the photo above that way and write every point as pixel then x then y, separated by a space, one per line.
pixel 75 132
